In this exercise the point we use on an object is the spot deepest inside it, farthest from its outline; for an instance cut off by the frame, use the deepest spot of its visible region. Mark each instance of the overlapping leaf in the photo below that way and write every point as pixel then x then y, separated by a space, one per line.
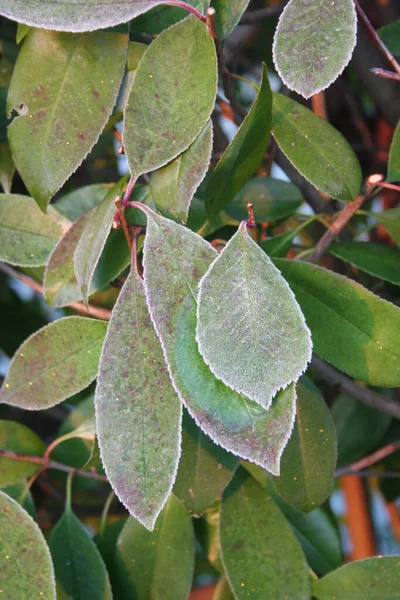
pixel 394 155
pixel 82 199
pixel 231 420
pixel 251 331
pixel 390 220
pixel 313 43
pixel 67 86
pixel 244 153
pixel 380 260
pixel 25 564
pixel 168 108
pixel 228 13
pixel 54 363
pixel 316 149
pixel 137 410
pixel 16 437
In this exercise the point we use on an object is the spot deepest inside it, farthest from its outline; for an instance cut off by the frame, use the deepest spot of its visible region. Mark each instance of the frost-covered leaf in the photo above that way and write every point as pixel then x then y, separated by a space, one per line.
pixel 205 469
pixel 231 420
pixel 394 156
pixel 158 564
pixel 54 363
pixel 94 237
pixel 244 154
pixel 228 13
pixel 251 331
pixel 68 85
pixel 380 260
pixel 309 459
pixel 138 412
pixel 16 437
pixel 262 558
pixel 313 43
pixel 169 107
pixel 75 15
pixel 26 569
pixel 173 186
pixel 27 235
pixel 316 149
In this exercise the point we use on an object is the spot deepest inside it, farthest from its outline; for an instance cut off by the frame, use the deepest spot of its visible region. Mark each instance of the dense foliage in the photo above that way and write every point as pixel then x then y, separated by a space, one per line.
pixel 213 341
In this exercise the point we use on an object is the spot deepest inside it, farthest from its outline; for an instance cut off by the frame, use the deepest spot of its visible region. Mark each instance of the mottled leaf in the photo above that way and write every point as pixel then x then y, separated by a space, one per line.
pixel 231 420
pixel 316 149
pixel 228 13
pixel 349 324
pixel 390 220
pixel 26 570
pixel 309 459
pixel 93 238
pixel 244 154
pixel 82 199
pixel 390 35
pixel 250 331
pixel 54 363
pixel 80 571
pixel 261 555
pixel 68 85
pixel 16 437
pixel 394 155
pixel 73 15
pixel 27 235
pixel 138 412
pixel 369 579
pixel 173 186
pixel 158 564
pixel 205 469
pixel 380 260
pixel 168 108
pixel 313 43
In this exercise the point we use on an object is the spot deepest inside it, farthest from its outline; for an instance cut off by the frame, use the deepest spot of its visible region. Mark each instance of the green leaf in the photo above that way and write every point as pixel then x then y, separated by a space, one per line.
pixel 317 150
pixel 360 429
pixel 394 155
pixel 138 412
pixel 309 459
pixel 272 200
pixel 377 259
pixel 279 245
pixel 54 363
pixel 250 331
pixel 68 85
pixel 244 153
pixel 94 237
pixel 173 186
pixel 313 43
pixel 261 555
pixel 15 437
pixel 22 32
pixel 80 571
pixel 228 13
pixel 209 535
pixel 7 167
pixel 79 201
pixel 25 562
pixel 349 324
pixel 223 590
pixel 18 492
pixel 161 16
pixel 369 579
pixel 231 420
pixel 27 235
pixel 158 564
pixel 390 35
pixel 168 108
pixel 390 220
pixel 205 469
pixel 73 15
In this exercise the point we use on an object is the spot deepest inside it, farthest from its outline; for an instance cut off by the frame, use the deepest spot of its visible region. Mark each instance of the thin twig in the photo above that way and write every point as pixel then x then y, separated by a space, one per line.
pixel 187 7
pixel 122 218
pixel 52 464
pixel 256 16
pixel 370 460
pixel 376 37
pixel 92 311
pixel 351 388
pixel 385 74
pixel 370 473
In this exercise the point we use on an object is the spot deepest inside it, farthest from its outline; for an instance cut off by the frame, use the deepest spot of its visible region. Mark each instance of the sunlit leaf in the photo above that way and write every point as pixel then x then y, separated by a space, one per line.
pixel 173 186
pixel 394 155
pixel 309 459
pixel 313 43
pixel 380 260
pixel 138 412
pixel 260 552
pixel 16 437
pixel 168 108
pixel 205 469
pixel 68 85
pixel 251 331
pixel 316 149
pixel 349 324
pixel 244 154
pixel 25 563
pixel 54 363
pixel 223 590
pixel 158 564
